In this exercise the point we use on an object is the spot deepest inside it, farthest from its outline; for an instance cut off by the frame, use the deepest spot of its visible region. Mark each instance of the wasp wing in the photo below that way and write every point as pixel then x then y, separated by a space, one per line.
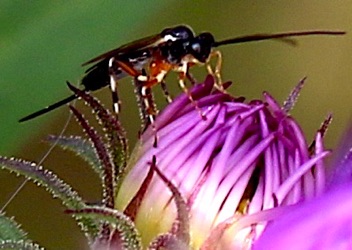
pixel 97 75
pixel 139 44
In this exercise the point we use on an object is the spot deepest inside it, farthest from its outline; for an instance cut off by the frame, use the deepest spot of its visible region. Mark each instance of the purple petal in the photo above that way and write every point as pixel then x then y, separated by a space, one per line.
pixel 322 223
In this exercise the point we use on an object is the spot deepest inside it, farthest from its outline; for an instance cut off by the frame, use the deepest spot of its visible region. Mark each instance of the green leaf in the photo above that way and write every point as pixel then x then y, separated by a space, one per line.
pixel 19 245
pixel 126 229
pixel 13 237
pixel 57 187
pixel 114 132
pixel 80 147
pixel 104 157
pixel 53 184
pixel 10 230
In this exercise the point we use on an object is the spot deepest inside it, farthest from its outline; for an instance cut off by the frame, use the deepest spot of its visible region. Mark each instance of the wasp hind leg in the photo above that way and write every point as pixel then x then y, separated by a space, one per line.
pixel 146 104
pixel 148 109
pixel 113 86
pixel 144 96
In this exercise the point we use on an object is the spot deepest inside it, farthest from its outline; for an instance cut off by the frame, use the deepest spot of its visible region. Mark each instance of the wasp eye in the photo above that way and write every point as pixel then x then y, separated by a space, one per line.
pixel 201 45
pixel 207 38
pixel 196 48
pixel 177 33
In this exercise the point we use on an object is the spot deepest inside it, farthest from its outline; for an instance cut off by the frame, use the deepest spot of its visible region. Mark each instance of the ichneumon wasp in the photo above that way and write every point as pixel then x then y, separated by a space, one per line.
pixel 150 59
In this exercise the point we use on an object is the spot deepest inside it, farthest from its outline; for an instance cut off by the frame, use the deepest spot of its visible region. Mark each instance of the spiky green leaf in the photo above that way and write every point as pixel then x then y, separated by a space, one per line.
pixel 126 229
pixel 53 184
pixel 104 157
pixel 114 132
pixel 81 147
pixel 57 187
pixel 10 230
pixel 19 245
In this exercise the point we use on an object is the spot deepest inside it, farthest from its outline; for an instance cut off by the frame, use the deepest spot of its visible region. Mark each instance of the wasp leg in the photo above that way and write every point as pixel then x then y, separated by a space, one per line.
pixel 147 106
pixel 166 92
pixel 147 83
pixel 191 78
pixel 126 67
pixel 113 86
pixel 155 77
pixel 217 72
pixel 183 69
pixel 149 109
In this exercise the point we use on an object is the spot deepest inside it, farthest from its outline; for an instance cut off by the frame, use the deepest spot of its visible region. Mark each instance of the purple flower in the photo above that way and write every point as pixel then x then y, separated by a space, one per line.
pixel 321 223
pixel 244 158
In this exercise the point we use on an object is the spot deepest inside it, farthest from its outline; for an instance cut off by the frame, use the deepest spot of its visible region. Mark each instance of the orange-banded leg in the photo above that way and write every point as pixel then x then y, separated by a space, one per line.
pixel 182 75
pixel 166 92
pixel 147 113
pixel 217 70
pixel 191 78
pixel 144 84
pixel 148 109
pixel 157 72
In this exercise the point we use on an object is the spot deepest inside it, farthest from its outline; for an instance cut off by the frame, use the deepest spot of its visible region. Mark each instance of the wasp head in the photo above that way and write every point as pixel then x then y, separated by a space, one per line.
pixel 200 46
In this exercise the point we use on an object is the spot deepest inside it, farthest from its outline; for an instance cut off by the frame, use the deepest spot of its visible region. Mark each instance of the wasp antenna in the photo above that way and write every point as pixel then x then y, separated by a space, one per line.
pixel 285 37
pixel 48 108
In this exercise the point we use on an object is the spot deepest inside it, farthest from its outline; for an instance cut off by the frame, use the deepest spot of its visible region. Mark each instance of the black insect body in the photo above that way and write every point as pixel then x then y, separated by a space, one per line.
pixel 150 59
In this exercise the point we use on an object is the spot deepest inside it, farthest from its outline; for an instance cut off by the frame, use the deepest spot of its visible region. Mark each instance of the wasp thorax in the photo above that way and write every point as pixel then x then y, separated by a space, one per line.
pixel 173 52
pixel 176 33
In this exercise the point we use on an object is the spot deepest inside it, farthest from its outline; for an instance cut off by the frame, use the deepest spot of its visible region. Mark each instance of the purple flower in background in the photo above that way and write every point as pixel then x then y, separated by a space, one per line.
pixel 322 223
pixel 244 159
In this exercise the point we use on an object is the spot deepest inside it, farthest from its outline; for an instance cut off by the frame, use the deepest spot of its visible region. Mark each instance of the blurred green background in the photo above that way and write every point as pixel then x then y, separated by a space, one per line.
pixel 43 44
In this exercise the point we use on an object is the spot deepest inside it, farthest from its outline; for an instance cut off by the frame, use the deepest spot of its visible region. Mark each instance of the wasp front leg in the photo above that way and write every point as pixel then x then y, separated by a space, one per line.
pixel 182 75
pixel 217 71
